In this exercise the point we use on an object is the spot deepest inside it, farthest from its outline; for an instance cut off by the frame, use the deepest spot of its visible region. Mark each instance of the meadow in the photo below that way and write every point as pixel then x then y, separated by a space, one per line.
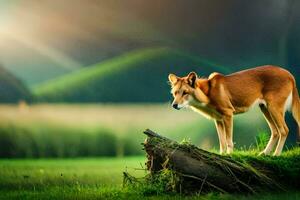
pixel 55 178
pixel 90 178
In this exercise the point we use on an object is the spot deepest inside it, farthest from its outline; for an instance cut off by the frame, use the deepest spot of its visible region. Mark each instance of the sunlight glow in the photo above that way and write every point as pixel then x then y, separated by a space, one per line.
pixel 12 27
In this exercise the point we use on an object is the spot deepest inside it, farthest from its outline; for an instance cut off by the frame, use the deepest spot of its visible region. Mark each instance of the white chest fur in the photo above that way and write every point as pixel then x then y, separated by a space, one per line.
pixel 205 110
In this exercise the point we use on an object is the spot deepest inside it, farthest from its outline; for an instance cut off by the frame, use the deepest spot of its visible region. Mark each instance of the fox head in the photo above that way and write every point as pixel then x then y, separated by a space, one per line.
pixel 188 90
pixel 183 89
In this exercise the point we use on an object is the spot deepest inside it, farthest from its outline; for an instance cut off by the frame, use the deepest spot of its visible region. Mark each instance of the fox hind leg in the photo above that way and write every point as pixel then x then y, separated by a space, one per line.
pixel 277 114
pixel 274 133
pixel 283 130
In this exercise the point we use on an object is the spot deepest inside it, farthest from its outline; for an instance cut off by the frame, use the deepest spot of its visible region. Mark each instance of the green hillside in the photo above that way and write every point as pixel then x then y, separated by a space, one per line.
pixel 12 90
pixel 137 76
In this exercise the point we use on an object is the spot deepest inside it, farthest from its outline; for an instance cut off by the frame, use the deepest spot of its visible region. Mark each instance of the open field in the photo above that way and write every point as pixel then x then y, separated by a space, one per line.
pixel 89 178
pixel 37 174
pixel 76 130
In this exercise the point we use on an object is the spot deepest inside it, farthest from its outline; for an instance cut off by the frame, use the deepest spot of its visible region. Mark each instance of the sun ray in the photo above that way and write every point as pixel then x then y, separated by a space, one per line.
pixel 55 55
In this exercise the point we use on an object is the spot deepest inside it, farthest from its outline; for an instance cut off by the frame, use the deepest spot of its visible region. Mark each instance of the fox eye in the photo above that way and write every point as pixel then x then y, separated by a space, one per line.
pixel 176 92
pixel 184 93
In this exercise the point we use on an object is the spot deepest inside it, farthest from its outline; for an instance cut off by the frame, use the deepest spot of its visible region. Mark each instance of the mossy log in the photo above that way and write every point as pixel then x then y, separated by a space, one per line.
pixel 201 171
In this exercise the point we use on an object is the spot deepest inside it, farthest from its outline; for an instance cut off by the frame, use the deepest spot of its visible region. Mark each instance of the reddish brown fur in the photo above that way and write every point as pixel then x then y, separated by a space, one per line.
pixel 220 97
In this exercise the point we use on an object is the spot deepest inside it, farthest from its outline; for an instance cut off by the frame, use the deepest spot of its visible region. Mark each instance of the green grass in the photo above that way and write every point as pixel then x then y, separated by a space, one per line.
pixel 40 173
pixel 93 178
pixel 119 193
pixel 287 165
pixel 137 76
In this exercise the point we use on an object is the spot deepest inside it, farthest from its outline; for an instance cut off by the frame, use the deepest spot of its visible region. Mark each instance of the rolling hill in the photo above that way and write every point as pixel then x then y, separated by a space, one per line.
pixel 137 76
pixel 12 89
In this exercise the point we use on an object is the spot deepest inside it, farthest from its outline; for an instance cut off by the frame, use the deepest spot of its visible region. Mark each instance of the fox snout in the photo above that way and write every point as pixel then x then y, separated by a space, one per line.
pixel 175 105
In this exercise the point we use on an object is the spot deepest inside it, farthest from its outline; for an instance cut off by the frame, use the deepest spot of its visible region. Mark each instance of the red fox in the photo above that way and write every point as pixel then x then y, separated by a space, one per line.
pixel 219 97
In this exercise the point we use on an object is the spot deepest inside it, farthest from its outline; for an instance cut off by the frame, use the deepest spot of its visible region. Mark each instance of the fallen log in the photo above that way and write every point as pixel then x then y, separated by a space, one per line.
pixel 199 171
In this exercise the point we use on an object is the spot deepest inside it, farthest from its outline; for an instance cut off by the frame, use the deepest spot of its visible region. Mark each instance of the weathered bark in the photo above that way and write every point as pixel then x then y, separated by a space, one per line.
pixel 202 171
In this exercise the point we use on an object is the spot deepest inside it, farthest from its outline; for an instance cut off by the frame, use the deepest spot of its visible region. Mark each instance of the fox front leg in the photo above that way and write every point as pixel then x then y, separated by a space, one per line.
pixel 221 134
pixel 228 124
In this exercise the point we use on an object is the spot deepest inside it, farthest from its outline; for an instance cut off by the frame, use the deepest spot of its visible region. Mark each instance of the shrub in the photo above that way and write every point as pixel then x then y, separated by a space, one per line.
pixel 49 141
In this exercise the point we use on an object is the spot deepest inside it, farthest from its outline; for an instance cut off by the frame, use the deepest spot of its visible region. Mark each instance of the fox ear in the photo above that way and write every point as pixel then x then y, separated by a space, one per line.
pixel 173 78
pixel 192 78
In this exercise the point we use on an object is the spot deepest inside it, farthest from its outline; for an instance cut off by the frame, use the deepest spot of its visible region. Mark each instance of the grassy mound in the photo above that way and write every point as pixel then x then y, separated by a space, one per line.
pixel 183 168
pixel 166 181
pixel 286 166
pixel 12 90
pixel 138 76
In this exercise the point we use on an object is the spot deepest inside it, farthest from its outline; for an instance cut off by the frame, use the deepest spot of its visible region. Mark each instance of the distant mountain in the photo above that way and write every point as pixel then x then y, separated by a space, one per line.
pixel 12 90
pixel 137 76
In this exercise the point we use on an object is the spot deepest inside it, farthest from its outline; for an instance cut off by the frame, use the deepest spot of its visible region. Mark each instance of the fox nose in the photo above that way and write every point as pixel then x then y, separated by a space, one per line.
pixel 175 105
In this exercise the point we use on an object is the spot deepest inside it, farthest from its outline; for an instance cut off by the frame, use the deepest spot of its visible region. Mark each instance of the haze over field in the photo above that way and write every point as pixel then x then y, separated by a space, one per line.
pixel 65 130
